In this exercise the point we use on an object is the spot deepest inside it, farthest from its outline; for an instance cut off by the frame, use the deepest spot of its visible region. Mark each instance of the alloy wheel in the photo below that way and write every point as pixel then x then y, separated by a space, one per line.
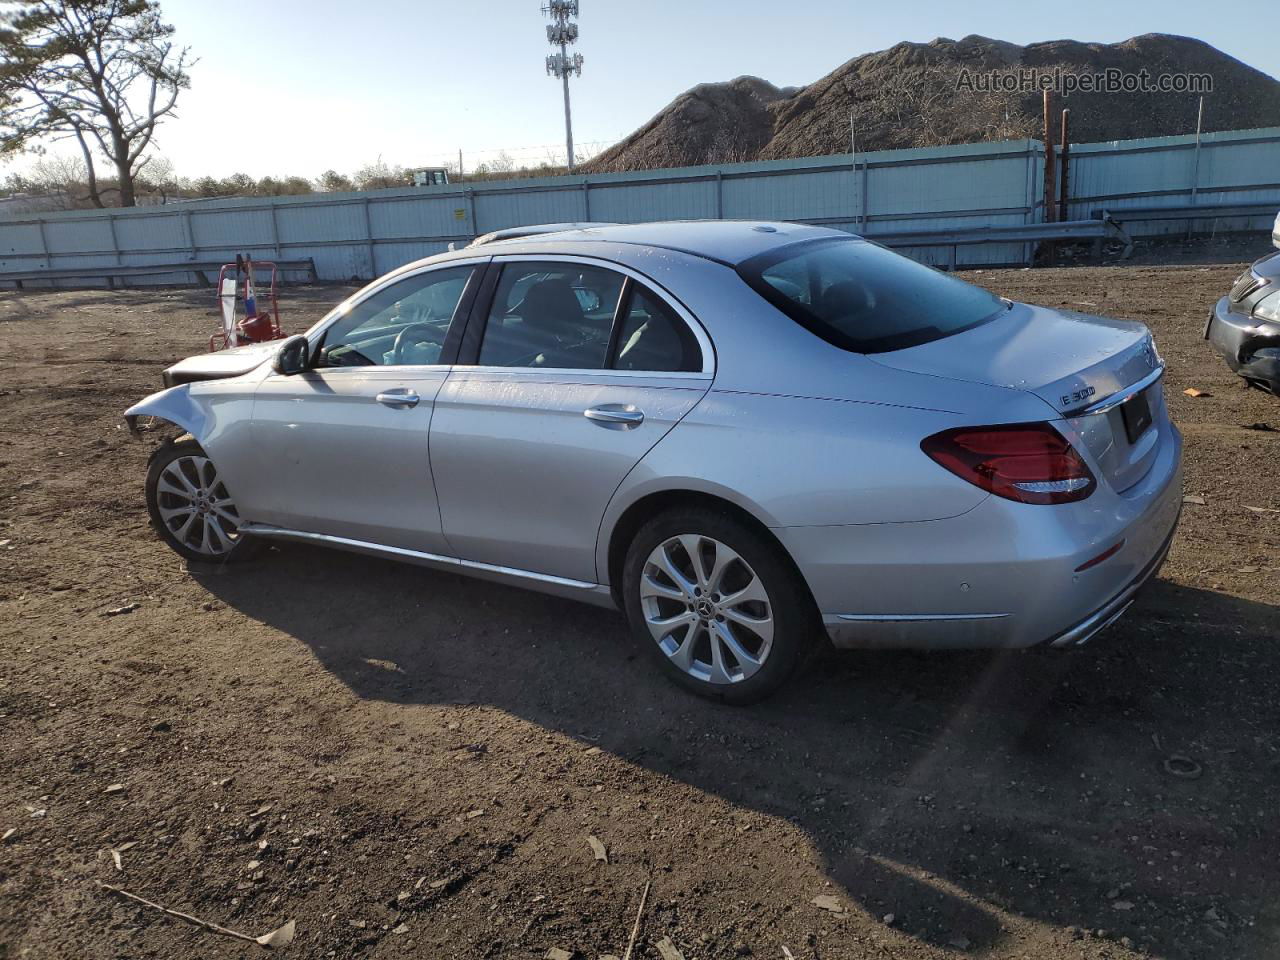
pixel 195 508
pixel 707 609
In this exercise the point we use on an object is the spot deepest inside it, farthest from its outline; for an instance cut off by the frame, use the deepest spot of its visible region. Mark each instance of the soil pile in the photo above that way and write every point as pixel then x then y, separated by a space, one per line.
pixel 908 96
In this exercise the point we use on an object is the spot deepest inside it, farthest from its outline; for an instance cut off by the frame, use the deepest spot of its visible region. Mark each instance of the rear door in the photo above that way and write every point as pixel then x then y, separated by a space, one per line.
pixel 571 370
pixel 344 445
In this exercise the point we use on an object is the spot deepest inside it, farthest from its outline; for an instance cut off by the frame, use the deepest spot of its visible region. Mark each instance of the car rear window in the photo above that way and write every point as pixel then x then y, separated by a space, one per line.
pixel 864 298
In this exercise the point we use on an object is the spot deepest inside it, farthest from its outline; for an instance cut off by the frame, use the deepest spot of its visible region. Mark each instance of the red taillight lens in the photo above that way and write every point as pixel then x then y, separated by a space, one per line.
pixel 1027 462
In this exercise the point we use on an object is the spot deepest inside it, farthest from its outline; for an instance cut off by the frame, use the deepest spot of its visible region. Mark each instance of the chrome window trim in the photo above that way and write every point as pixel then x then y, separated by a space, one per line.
pixel 406 369
pixel 695 326
pixel 701 377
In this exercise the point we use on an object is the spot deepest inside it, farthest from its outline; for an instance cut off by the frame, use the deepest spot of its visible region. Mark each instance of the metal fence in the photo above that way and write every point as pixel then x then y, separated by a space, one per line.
pixel 361 235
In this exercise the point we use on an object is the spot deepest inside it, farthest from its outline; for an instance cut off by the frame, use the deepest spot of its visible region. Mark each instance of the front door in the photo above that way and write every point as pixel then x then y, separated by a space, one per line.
pixel 579 371
pixel 345 444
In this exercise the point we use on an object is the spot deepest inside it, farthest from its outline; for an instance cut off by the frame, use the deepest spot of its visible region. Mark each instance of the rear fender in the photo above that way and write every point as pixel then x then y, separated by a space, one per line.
pixel 174 405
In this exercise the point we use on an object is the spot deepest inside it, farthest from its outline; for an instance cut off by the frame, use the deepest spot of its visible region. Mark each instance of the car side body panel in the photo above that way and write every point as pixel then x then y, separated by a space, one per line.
pixel 338 460
pixel 795 461
pixel 523 476
pixel 219 415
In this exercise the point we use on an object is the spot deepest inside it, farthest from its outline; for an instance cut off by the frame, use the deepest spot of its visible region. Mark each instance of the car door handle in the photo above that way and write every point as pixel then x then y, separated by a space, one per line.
pixel 394 398
pixel 615 414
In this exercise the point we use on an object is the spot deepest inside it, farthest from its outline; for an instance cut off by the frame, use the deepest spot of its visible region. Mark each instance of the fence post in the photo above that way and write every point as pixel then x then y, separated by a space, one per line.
pixel 368 235
pixel 1195 171
pixel 275 231
pixel 44 244
pixel 866 185
pixel 191 234
pixel 1064 187
pixel 586 199
pixel 1049 179
pixel 115 241
pixel 719 194
pixel 1029 216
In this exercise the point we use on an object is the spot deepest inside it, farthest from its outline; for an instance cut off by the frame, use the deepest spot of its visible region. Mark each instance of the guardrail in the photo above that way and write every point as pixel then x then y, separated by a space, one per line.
pixel 111 274
pixel 1098 229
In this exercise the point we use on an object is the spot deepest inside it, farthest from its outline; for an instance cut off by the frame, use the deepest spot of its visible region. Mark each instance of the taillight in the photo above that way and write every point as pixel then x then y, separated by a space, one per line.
pixel 1027 462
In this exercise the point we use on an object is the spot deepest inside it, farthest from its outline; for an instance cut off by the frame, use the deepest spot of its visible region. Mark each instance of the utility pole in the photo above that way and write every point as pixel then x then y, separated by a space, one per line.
pixel 1050 179
pixel 561 33
pixel 1064 167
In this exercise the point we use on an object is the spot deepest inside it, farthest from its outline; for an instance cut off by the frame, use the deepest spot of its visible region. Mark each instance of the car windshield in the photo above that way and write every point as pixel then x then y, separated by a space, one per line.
pixel 864 298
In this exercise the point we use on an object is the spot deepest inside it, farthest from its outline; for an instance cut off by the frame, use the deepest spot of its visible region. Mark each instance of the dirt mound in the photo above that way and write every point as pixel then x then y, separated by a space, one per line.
pixel 712 123
pixel 907 96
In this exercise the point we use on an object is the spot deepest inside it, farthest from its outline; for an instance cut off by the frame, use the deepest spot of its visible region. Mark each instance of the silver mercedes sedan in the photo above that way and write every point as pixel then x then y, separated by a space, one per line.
pixel 752 438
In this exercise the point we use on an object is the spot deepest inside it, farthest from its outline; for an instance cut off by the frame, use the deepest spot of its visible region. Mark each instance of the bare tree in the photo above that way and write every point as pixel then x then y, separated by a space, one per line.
pixel 502 163
pixel 101 72
pixel 331 181
pixel 59 180
pixel 378 176
pixel 156 176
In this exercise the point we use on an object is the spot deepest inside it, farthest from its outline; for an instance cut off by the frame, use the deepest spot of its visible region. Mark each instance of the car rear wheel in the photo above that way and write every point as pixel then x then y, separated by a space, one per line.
pixel 190 506
pixel 721 609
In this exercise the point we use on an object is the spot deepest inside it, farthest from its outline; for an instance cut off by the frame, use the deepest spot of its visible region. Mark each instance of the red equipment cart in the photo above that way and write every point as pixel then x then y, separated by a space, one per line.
pixel 258 325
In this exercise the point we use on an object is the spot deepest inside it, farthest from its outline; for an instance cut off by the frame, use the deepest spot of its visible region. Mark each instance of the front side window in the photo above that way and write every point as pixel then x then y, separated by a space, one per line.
pixel 402 324
pixel 551 315
pixel 864 298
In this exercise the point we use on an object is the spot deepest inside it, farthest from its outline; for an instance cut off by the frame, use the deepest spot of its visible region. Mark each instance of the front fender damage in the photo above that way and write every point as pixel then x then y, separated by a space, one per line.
pixel 174 405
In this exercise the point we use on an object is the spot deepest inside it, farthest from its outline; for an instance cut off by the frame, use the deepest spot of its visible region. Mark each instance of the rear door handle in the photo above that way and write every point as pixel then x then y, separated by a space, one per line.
pixel 398 398
pixel 615 414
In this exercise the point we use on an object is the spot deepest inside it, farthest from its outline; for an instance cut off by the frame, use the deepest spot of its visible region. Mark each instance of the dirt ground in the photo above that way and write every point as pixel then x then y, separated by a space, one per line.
pixel 409 763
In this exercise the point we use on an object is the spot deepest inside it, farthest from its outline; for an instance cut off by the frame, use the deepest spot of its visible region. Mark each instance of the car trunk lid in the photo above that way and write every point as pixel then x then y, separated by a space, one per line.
pixel 1071 361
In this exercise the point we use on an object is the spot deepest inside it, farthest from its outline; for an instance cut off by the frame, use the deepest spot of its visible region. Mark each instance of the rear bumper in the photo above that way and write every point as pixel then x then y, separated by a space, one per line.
pixel 1250 347
pixel 1114 608
pixel 1003 575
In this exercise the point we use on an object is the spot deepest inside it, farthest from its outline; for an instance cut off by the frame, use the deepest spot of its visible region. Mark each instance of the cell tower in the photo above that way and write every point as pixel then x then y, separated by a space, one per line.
pixel 561 33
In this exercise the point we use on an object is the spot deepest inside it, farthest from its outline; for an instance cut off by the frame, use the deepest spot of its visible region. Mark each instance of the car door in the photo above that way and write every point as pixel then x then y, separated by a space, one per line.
pixel 345 443
pixel 570 371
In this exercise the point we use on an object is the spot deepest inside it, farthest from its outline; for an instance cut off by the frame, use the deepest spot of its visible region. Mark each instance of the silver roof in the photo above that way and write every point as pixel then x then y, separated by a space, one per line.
pixel 730 241
pixel 530 230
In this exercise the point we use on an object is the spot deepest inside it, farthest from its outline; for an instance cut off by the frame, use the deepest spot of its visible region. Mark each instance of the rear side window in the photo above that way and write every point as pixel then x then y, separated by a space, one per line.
pixel 652 338
pixel 864 298
pixel 551 315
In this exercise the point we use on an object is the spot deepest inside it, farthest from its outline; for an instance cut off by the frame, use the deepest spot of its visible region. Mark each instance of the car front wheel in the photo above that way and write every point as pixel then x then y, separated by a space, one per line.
pixel 720 607
pixel 190 506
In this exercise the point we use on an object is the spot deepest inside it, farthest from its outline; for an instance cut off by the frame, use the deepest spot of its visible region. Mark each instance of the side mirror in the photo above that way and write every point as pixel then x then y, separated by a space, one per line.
pixel 292 358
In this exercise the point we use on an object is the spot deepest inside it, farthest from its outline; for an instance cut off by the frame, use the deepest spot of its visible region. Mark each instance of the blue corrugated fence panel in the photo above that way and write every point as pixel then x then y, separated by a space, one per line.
pixel 963 186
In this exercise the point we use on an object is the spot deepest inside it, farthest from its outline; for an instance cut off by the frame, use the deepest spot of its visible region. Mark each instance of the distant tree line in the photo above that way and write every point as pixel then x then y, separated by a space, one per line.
pixel 62 182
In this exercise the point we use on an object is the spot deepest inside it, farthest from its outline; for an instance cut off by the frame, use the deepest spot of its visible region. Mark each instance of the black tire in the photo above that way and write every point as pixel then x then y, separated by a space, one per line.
pixel 796 623
pixel 188 543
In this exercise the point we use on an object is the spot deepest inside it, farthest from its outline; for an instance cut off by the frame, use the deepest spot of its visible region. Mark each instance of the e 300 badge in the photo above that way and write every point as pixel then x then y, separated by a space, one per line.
pixel 1078 396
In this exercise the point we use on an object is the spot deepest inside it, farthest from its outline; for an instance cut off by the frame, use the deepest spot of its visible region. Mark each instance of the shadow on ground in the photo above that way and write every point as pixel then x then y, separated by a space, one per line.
pixel 938 786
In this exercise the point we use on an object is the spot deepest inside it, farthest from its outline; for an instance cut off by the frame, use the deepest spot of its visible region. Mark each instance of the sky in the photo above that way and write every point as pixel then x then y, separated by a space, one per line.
pixel 286 87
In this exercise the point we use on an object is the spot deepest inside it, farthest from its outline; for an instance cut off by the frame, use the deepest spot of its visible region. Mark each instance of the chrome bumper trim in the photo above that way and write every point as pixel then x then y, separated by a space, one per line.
pixel 1114 608
pixel 916 617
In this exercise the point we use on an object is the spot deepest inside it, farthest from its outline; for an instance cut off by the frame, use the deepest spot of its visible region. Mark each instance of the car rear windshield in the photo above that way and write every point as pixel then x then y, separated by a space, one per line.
pixel 864 298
